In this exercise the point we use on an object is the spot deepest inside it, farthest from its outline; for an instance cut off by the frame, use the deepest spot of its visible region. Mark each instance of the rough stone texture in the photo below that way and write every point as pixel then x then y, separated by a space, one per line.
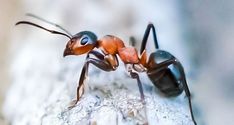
pixel 44 83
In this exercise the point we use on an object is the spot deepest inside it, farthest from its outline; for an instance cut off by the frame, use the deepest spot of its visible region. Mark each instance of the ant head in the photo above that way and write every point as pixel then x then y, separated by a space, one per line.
pixel 78 44
pixel 81 43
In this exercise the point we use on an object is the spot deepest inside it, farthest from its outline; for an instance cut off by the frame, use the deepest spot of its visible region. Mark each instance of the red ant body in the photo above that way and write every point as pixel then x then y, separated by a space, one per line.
pixel 86 41
pixel 169 80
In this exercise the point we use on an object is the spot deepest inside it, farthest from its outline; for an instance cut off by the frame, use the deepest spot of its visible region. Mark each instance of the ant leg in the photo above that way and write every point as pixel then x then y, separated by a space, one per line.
pixel 132 41
pixel 184 82
pixel 96 54
pixel 100 63
pixel 134 75
pixel 80 88
pixel 146 35
pixel 187 92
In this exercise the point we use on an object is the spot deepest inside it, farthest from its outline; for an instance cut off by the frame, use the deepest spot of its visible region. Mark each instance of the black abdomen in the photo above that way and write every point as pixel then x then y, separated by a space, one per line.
pixel 164 74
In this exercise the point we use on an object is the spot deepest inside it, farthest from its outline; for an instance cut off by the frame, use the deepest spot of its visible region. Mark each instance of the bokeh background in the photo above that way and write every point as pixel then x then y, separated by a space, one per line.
pixel 198 32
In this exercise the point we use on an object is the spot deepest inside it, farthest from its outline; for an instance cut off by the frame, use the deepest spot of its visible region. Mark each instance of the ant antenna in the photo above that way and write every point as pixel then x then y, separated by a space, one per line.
pixel 44 20
pixel 51 31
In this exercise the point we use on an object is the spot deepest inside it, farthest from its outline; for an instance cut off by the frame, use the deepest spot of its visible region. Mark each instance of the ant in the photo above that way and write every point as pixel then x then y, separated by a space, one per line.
pixel 163 69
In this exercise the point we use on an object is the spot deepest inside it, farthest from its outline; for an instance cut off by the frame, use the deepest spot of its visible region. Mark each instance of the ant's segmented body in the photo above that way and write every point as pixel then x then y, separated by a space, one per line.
pixel 163 69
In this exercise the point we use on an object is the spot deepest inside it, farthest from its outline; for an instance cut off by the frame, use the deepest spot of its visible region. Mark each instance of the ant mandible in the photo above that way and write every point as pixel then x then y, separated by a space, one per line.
pixel 163 69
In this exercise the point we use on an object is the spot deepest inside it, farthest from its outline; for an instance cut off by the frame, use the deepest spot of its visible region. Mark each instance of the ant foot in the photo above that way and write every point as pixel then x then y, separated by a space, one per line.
pixel 72 104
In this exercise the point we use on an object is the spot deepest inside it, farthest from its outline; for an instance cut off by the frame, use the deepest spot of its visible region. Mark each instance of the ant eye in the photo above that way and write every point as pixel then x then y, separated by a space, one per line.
pixel 84 40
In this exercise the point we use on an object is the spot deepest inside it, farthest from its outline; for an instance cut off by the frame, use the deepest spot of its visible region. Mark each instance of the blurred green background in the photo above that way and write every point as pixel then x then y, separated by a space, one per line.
pixel 206 29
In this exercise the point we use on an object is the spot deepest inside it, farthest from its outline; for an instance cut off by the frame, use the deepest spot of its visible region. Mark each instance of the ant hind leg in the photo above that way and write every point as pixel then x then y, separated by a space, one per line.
pixel 146 35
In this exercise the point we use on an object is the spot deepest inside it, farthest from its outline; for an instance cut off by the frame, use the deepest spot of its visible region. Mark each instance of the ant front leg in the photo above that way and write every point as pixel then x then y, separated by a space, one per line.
pixel 100 62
